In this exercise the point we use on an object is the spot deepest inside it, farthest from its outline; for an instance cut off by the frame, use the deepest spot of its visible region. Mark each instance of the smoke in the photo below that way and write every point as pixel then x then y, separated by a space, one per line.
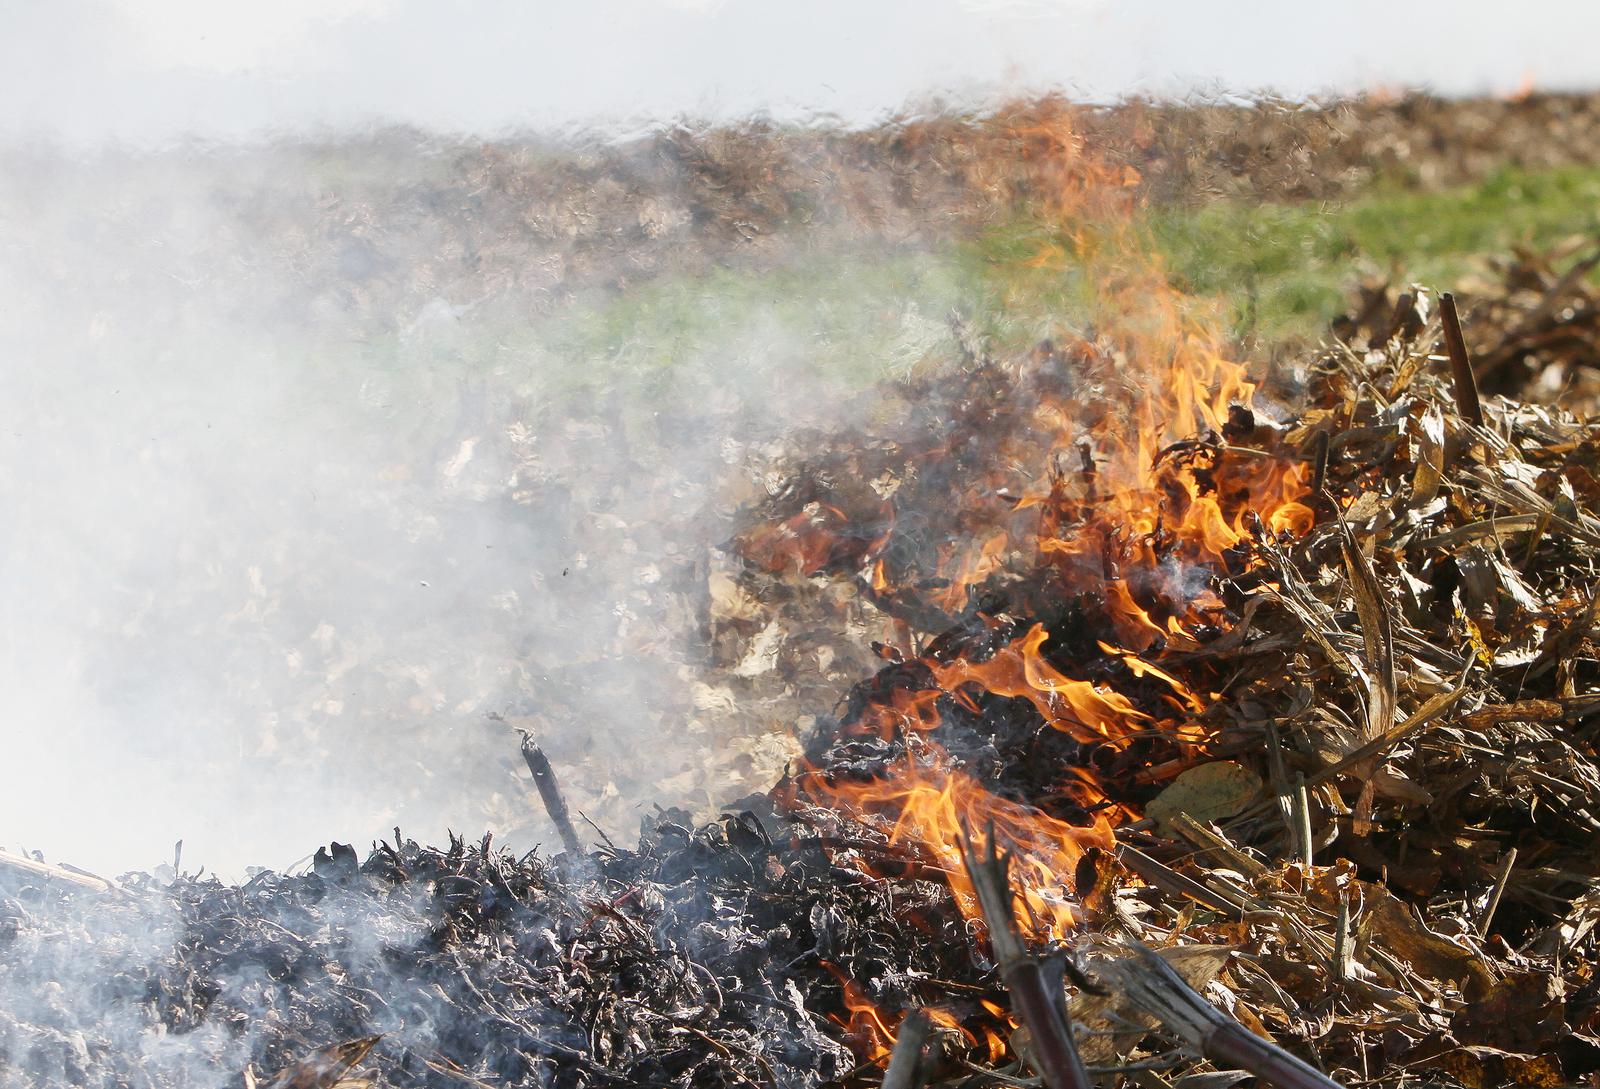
pixel 328 464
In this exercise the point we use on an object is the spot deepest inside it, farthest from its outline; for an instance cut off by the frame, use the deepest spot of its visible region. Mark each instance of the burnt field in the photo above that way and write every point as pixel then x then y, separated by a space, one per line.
pixel 1121 692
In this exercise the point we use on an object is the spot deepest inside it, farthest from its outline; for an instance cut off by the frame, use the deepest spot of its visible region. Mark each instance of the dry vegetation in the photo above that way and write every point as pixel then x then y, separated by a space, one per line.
pixel 1353 799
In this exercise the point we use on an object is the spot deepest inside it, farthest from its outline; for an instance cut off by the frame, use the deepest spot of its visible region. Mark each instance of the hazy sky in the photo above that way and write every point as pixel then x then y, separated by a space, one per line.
pixel 147 70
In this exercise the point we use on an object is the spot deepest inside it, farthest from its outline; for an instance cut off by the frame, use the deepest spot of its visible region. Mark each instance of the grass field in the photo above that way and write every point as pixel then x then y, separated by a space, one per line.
pixel 1285 269
pixel 1293 263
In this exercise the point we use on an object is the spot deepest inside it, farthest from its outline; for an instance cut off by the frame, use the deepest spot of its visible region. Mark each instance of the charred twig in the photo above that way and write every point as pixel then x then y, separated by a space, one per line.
pixel 544 777
pixel 1156 988
pixel 1463 383
pixel 1044 1014
pixel 907 1063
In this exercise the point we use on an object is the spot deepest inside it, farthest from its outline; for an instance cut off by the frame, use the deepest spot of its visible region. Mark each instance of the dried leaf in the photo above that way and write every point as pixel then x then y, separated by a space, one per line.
pixel 1385 921
pixel 1377 641
pixel 1523 1012
pixel 1427 444
pixel 1377 636
pixel 1210 792
pixel 1488 1068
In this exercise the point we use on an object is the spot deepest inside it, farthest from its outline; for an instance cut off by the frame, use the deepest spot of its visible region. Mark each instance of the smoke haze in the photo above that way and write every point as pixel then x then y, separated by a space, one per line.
pixel 323 473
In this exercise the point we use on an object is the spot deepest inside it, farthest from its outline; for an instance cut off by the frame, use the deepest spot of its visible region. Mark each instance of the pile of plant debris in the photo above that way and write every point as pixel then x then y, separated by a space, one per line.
pixel 1368 857
pixel 1534 317
pixel 701 958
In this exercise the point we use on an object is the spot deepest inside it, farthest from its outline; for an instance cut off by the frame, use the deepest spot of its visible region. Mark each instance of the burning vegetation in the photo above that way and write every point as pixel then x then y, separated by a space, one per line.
pixel 1228 722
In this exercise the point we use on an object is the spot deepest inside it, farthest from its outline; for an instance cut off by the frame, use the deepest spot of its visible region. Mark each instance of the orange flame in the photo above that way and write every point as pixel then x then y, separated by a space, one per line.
pixel 1075 707
pixel 1137 486
pixel 866 1025
pixel 875 1031
pixel 926 809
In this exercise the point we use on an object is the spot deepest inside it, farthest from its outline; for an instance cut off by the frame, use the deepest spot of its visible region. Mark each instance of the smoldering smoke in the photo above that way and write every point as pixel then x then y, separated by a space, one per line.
pixel 325 469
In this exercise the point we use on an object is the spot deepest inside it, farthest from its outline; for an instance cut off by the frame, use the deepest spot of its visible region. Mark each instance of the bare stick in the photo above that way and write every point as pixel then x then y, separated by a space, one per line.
pixel 1499 889
pixel 1302 811
pixel 1208 839
pixel 1155 987
pixel 544 777
pixel 1055 1052
pixel 907 1070
pixel 60 875
pixel 1169 880
pixel 1462 379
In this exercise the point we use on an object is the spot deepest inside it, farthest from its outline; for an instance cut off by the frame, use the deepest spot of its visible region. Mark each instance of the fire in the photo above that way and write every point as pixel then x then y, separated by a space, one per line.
pixel 1075 707
pixel 927 809
pixel 1141 473
pixel 976 564
pixel 865 1025
pixel 874 1031
pixel 995 1042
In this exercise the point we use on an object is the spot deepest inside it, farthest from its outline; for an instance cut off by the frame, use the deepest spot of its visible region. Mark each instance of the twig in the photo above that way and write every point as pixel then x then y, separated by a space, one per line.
pixel 544 777
pixel 1462 380
pixel 1235 902
pixel 907 1070
pixel 1500 879
pixel 1302 813
pixel 27 867
pixel 1155 987
pixel 1208 839
pixel 1431 709
pixel 1172 881
pixel 1045 1016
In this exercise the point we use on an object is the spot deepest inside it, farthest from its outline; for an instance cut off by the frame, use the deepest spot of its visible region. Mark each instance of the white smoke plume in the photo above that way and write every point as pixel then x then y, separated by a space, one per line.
pixel 326 464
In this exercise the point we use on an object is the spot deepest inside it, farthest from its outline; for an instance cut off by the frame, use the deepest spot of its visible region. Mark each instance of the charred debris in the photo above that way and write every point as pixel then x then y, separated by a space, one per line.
pixel 1349 840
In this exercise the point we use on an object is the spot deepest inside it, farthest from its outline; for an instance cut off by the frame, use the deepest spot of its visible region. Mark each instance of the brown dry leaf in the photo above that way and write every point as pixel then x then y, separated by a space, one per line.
pixel 1397 786
pixel 1582 917
pixel 1387 923
pixel 326 1067
pixel 1524 1012
pixel 1210 792
pixel 1427 444
pixel 1490 1068
pixel 1377 642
